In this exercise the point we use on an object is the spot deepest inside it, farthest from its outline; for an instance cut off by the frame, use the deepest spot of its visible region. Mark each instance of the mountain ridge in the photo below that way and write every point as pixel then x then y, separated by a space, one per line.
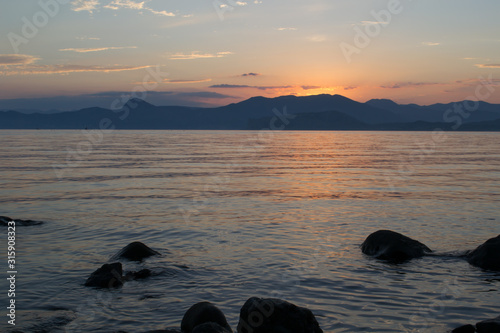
pixel 317 111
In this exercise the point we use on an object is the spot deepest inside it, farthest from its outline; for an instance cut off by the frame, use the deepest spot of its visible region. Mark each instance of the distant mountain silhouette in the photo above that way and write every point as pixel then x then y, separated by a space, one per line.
pixel 319 112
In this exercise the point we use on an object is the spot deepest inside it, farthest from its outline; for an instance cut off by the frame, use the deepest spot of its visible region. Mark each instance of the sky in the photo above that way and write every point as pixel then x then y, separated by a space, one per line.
pixel 68 54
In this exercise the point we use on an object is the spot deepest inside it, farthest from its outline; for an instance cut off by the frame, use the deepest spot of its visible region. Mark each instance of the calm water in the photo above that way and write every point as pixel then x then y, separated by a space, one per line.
pixel 241 214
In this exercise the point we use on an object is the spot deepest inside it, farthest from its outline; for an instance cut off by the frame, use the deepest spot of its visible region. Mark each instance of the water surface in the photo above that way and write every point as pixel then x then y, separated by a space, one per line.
pixel 250 213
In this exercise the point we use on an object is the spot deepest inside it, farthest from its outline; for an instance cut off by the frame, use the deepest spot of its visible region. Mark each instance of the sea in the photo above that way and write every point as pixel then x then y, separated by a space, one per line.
pixel 237 214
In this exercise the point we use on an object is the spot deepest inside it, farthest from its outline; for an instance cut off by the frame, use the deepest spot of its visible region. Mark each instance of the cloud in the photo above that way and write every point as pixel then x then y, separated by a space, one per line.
pixel 431 43
pixel 16 59
pixel 92 5
pixel 243 86
pixel 250 74
pixel 488 65
pixel 161 12
pixel 87 38
pixel 350 88
pixel 98 49
pixel 310 87
pixel 317 38
pixel 198 55
pixel 129 4
pixel 373 22
pixel 408 85
pixel 66 69
pixel 186 81
pixel 85 5
pixel 286 29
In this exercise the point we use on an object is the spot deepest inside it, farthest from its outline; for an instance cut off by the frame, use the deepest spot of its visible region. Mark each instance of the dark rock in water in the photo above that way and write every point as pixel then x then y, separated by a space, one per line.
pixel 489 326
pixel 264 315
pixel 172 330
pixel 487 255
pixel 393 246
pixel 135 251
pixel 202 313
pixel 4 220
pixel 464 329
pixel 142 274
pixel 210 328
pixel 108 276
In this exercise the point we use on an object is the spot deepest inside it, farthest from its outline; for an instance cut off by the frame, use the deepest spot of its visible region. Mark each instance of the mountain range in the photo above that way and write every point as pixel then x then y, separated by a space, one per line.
pixel 318 112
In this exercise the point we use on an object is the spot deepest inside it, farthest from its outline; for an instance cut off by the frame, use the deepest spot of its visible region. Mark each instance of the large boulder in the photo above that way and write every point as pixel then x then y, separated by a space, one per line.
pixel 465 329
pixel 487 255
pixel 393 246
pixel 264 315
pixel 204 313
pixel 210 328
pixel 107 276
pixel 4 220
pixel 135 251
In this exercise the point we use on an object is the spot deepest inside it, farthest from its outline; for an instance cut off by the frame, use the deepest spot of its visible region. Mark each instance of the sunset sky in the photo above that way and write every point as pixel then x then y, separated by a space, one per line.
pixel 218 52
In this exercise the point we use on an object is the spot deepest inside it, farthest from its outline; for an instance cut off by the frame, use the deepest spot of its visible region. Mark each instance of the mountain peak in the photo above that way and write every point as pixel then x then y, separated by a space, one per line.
pixel 137 102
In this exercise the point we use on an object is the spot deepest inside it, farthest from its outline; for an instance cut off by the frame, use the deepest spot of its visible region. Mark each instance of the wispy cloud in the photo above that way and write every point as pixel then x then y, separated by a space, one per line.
pixel 250 74
pixel 317 38
pixel 85 5
pixel 87 38
pixel 488 65
pixel 373 22
pixel 244 86
pixel 97 49
pixel 431 43
pixel 92 5
pixel 198 55
pixel 128 4
pixel 408 85
pixel 186 81
pixel 16 59
pixel 66 69
pixel 286 29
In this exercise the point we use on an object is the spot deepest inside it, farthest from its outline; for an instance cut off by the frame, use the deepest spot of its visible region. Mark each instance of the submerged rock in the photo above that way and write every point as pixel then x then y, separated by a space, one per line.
pixel 142 274
pixel 135 251
pixel 4 220
pixel 204 313
pixel 107 276
pixel 393 246
pixel 487 255
pixel 489 326
pixel 264 315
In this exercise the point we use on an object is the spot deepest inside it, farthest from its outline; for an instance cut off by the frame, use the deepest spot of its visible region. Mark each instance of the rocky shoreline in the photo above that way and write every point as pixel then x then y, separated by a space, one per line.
pixel 270 315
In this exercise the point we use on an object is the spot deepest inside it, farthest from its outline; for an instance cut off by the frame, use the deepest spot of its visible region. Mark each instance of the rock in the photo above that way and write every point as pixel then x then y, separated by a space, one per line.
pixel 4 220
pixel 487 255
pixel 142 274
pixel 393 246
pixel 201 313
pixel 107 276
pixel 464 329
pixel 135 251
pixel 489 326
pixel 210 328
pixel 259 315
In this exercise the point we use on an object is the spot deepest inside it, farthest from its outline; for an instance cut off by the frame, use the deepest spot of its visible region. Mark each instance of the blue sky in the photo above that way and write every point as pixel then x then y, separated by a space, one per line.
pixel 223 51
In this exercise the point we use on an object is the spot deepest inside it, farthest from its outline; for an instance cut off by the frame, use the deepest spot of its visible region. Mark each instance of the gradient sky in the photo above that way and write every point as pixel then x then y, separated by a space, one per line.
pixel 218 52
